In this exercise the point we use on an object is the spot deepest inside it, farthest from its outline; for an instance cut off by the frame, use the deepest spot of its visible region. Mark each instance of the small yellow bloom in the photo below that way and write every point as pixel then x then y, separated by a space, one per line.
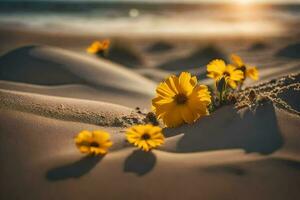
pixel 98 46
pixel 218 68
pixel 249 71
pixel 145 137
pixel 93 142
pixel 252 73
pixel 180 99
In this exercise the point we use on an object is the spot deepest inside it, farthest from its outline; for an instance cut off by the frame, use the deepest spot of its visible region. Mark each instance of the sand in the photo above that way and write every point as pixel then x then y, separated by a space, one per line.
pixel 49 66
pixel 50 92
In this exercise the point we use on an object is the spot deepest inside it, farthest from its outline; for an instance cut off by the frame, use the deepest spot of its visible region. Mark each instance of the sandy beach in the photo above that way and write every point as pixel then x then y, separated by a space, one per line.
pixel 51 89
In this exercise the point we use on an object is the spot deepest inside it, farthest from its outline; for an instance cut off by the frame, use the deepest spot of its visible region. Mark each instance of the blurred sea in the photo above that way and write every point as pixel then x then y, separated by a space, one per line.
pixel 87 17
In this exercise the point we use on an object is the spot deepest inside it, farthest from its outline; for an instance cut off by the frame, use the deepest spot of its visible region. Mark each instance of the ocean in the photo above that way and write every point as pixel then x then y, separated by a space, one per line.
pixel 82 17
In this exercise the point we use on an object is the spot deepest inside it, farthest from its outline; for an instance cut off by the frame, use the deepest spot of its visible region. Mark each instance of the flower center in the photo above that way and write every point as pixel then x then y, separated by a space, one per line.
pixel 146 136
pixel 180 98
pixel 226 74
pixel 94 144
pixel 243 68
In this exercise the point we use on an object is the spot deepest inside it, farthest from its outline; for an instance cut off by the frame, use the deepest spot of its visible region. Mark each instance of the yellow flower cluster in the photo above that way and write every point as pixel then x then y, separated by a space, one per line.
pixel 145 137
pixel 218 68
pixel 236 72
pixel 179 99
pixel 233 74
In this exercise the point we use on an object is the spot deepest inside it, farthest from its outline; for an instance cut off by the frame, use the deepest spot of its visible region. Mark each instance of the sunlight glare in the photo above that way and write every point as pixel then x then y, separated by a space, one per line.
pixel 243 2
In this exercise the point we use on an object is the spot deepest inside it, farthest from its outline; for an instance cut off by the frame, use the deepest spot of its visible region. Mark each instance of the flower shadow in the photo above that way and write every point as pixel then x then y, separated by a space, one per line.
pixel 140 162
pixel 227 129
pixel 73 170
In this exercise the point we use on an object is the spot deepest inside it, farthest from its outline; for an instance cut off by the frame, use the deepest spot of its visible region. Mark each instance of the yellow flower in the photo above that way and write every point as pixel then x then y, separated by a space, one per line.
pixel 93 142
pixel 218 68
pixel 252 73
pixel 145 137
pixel 98 46
pixel 180 99
pixel 249 71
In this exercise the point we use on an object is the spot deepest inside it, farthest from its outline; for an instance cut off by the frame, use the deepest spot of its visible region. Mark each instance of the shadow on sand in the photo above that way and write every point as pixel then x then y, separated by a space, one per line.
pixel 198 58
pixel 258 46
pixel 73 170
pixel 125 54
pixel 160 47
pixel 140 162
pixel 38 70
pixel 266 166
pixel 226 129
pixel 290 51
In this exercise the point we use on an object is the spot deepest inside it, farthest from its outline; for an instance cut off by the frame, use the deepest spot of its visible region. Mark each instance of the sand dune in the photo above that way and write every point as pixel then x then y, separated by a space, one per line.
pixel 98 113
pixel 255 137
pixel 54 66
pixel 249 150
pixel 80 91
pixel 51 71
pixel 57 170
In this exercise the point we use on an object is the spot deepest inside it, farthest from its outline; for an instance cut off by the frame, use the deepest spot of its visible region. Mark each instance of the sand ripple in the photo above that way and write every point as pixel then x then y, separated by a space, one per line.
pixel 92 112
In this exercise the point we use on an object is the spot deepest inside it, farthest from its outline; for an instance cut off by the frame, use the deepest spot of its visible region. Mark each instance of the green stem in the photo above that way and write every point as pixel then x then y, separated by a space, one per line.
pixel 221 97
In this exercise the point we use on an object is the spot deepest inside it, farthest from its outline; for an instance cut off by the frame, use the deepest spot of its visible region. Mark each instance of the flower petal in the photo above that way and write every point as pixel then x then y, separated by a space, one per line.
pixel 216 67
pixel 236 60
pixel 252 72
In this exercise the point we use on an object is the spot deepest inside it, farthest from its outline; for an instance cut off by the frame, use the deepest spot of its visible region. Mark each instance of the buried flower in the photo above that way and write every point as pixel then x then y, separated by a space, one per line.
pixel 93 142
pixel 218 68
pixel 98 47
pixel 180 99
pixel 145 137
pixel 249 71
